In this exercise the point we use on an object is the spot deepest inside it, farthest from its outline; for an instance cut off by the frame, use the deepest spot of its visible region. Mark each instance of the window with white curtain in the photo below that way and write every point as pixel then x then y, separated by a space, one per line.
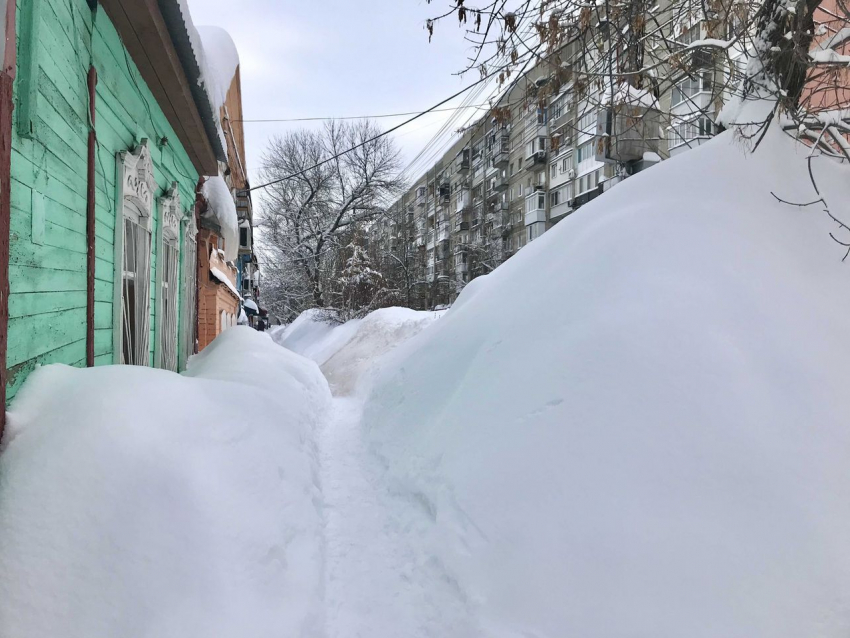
pixel 132 252
pixel 188 314
pixel 135 306
pixel 168 279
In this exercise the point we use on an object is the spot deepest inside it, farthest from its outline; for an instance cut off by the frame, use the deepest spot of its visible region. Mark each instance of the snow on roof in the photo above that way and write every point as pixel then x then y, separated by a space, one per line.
pixel 208 60
pixel 223 278
pixel 251 305
pixel 629 95
pixel 222 210
pixel 222 60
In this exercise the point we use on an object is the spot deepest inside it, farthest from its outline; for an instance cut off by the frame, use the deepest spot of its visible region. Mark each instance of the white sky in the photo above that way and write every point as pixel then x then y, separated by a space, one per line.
pixel 339 58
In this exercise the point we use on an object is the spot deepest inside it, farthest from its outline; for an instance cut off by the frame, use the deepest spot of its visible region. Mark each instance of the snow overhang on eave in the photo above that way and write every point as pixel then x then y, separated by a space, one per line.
pixel 158 42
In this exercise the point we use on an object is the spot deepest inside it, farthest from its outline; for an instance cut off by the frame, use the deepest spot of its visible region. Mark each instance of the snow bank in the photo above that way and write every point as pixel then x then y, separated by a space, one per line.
pixel 638 426
pixel 222 210
pixel 349 370
pixel 137 502
pixel 350 353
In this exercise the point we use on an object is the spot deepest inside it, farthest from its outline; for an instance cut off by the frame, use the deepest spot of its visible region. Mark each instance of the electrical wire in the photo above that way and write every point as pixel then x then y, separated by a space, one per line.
pixel 358 117
pixel 380 135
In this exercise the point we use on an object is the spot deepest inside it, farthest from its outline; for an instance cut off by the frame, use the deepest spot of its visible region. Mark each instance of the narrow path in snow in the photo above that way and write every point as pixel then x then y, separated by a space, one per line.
pixel 377 583
pixel 367 589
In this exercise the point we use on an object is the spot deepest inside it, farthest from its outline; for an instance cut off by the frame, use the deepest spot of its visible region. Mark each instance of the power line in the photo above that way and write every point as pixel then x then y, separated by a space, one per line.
pixel 363 117
pixel 380 135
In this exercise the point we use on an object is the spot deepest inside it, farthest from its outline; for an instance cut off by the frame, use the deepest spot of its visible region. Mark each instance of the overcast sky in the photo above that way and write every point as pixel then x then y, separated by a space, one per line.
pixel 339 58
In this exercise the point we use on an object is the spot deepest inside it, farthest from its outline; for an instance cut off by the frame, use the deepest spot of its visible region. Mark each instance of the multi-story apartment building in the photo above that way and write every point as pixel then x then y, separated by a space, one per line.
pixel 551 144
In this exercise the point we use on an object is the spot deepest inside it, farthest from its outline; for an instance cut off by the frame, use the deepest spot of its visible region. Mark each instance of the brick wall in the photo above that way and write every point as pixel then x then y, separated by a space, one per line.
pixel 213 296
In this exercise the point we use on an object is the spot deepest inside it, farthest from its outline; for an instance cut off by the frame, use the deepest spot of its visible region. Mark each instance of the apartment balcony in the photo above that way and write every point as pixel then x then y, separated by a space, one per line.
pixel 536 129
pixel 477 210
pixel 443 234
pixel 561 123
pixel 502 222
pixel 534 216
pixel 534 160
pixel 462 201
pixel 420 198
pixel 478 175
pixel 462 162
pixel 500 207
pixel 535 208
pixel 461 224
pixel 500 183
pixel 501 157
pixel 560 210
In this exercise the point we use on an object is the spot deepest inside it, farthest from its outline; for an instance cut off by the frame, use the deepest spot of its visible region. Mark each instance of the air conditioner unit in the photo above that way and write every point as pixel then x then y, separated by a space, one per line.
pixel 571 173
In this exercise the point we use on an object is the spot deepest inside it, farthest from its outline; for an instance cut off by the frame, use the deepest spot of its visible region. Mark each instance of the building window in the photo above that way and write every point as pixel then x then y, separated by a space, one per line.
pixel 131 301
pixel 685 132
pixel 691 35
pixel 188 315
pixel 585 152
pixel 690 86
pixel 589 182
pixel 535 203
pixel 168 280
pixel 557 108
pixel 587 123
pixel 565 165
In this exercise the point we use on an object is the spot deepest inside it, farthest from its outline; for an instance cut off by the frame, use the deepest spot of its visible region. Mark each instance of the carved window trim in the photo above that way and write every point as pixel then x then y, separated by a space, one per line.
pixel 168 280
pixel 134 199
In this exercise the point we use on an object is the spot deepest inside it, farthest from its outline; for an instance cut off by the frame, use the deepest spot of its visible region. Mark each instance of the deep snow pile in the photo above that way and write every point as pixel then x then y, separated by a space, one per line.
pixel 137 502
pixel 350 353
pixel 639 425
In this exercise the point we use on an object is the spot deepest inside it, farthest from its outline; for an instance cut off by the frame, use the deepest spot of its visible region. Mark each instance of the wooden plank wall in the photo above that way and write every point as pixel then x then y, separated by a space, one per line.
pixel 47 268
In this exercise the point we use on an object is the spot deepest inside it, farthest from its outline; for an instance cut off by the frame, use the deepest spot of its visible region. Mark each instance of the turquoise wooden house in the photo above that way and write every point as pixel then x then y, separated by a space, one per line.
pixel 105 130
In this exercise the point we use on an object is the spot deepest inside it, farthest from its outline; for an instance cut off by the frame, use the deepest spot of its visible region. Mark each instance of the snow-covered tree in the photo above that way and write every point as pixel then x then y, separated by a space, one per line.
pixel 360 288
pixel 321 191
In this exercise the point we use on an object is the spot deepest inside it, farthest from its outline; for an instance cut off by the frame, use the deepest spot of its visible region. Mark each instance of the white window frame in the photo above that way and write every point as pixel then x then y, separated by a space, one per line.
pixel 188 305
pixel 134 198
pixel 686 89
pixel 167 287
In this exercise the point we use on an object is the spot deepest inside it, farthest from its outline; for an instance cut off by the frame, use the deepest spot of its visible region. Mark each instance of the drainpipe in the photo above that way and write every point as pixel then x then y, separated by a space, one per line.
pixel 547 170
pixel 90 220
pixel 198 208
pixel 7 77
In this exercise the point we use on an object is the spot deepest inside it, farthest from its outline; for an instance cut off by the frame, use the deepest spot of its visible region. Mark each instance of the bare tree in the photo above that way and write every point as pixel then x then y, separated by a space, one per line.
pixel 626 54
pixel 324 192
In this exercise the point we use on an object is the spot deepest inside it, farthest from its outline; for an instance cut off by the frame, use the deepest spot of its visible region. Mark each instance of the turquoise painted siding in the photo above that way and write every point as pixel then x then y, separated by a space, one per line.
pixel 47 269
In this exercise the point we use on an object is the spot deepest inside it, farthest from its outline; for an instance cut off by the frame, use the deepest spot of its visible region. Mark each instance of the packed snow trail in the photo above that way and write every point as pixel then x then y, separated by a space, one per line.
pixel 376 585
pixel 378 581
